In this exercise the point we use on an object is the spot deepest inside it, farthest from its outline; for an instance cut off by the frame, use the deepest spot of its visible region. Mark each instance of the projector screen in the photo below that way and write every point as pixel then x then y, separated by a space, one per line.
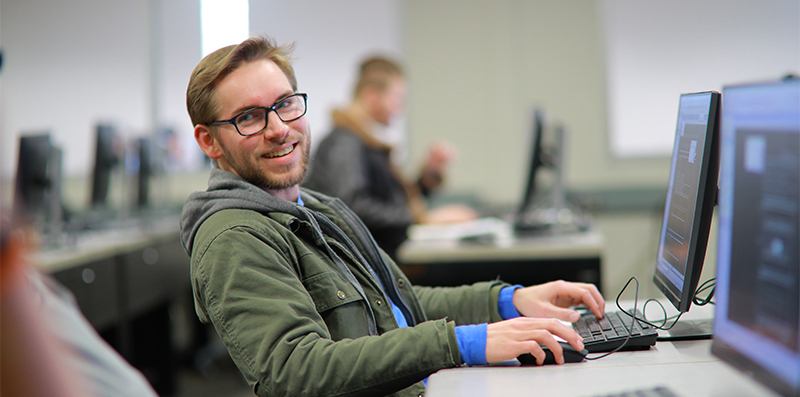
pixel 657 50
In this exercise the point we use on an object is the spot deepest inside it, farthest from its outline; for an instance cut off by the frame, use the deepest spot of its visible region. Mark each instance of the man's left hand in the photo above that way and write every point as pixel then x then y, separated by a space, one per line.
pixel 553 300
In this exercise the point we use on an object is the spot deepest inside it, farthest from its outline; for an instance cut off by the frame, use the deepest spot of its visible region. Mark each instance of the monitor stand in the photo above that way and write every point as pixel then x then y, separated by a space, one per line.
pixel 689 330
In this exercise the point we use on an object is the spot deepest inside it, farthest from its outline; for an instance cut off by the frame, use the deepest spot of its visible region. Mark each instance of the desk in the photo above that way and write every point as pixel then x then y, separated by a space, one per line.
pixel 124 281
pixel 686 367
pixel 518 260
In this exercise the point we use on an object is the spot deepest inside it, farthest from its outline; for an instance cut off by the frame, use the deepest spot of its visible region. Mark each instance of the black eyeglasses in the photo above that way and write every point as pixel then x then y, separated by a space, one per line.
pixel 253 121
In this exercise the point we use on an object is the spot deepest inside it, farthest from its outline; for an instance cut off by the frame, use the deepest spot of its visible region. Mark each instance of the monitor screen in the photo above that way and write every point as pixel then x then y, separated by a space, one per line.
pixel 757 312
pixel 691 195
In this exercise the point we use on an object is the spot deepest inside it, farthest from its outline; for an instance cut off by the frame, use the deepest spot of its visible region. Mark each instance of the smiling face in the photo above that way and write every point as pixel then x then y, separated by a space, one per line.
pixel 275 159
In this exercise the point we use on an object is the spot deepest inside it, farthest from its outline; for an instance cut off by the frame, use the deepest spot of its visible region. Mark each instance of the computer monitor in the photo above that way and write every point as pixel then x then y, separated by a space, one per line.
pixel 146 154
pixel 757 311
pixel 37 186
pixel 535 162
pixel 107 156
pixel 690 200
pixel 548 213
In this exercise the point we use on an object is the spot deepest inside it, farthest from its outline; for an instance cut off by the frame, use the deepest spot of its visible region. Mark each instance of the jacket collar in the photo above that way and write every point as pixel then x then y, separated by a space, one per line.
pixel 361 125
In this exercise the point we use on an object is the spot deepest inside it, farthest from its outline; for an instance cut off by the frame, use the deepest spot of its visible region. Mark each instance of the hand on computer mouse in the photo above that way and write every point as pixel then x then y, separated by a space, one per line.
pixel 571 355
pixel 508 339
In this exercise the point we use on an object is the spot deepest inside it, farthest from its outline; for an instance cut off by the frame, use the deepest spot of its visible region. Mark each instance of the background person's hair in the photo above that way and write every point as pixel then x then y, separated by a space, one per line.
pixel 200 99
pixel 376 72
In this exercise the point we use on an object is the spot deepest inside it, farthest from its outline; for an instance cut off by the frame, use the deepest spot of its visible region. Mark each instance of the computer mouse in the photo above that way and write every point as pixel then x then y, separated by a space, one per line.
pixel 571 355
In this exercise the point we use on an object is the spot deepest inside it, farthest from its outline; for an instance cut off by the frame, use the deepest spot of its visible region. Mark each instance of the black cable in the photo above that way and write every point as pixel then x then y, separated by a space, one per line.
pixel 663 322
pixel 696 299
pixel 628 336
pixel 710 283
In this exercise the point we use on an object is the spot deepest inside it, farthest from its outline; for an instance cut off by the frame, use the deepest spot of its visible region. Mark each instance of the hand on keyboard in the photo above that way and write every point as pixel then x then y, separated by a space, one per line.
pixel 553 300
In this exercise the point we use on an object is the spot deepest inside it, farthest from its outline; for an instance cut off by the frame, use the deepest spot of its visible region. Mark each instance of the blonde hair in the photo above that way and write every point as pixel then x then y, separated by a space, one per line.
pixel 200 99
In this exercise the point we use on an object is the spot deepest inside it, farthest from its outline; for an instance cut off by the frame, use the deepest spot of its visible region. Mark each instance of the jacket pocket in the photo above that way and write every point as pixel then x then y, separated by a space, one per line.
pixel 329 290
pixel 339 304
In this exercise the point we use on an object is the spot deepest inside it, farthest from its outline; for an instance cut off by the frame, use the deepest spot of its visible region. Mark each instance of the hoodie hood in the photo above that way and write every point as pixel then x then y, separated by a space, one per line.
pixel 227 191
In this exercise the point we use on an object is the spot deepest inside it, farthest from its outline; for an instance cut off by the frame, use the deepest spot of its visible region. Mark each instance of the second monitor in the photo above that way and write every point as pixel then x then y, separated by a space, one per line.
pixel 690 201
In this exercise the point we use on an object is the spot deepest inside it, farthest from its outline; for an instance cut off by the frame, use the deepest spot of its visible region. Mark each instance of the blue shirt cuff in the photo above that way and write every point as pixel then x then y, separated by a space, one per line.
pixel 472 343
pixel 505 303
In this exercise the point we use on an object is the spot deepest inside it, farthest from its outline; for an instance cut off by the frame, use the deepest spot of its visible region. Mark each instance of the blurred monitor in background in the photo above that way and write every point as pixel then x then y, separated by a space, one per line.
pixel 107 156
pixel 37 186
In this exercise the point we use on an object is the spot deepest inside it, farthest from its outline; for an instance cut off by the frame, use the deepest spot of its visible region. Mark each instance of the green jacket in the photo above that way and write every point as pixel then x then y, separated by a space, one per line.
pixel 272 277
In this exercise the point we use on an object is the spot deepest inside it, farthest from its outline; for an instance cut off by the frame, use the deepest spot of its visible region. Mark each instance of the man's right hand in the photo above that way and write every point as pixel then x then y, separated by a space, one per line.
pixel 450 213
pixel 510 338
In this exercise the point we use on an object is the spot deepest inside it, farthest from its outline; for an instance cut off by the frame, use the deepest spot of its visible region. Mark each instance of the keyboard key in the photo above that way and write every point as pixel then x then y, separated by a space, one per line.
pixel 611 331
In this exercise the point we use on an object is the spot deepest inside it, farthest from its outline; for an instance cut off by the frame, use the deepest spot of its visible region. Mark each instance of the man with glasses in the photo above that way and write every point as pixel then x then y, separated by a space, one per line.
pixel 354 161
pixel 293 282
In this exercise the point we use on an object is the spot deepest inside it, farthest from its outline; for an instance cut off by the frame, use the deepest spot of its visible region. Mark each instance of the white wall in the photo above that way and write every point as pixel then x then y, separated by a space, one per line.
pixel 658 50
pixel 478 67
pixel 69 65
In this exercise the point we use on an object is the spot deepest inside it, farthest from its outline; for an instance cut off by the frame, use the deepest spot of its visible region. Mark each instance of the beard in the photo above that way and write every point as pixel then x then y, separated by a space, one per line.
pixel 252 173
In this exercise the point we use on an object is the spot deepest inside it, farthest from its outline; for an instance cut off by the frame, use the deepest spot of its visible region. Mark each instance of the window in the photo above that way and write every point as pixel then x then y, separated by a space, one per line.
pixel 222 23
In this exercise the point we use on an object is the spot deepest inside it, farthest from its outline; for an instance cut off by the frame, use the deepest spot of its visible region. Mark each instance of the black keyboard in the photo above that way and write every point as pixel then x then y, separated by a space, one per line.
pixel 658 391
pixel 608 333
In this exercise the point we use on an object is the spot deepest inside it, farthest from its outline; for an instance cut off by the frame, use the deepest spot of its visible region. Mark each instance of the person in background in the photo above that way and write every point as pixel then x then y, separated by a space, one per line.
pixel 354 161
pixel 291 279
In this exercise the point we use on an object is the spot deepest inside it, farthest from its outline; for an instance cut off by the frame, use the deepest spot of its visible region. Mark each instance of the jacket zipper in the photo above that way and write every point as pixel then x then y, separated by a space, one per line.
pixel 388 284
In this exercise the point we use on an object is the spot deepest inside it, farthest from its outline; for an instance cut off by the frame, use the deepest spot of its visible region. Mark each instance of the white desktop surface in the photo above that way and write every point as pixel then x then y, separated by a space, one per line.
pixel 685 367
pixel 89 246
pixel 708 377
pixel 574 245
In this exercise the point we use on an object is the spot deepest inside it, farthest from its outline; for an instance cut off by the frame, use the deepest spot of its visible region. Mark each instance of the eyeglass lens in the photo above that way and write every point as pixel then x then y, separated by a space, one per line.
pixel 288 109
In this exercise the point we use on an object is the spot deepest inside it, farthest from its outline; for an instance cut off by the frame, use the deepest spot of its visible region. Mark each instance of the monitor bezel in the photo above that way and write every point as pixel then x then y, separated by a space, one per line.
pixel 706 199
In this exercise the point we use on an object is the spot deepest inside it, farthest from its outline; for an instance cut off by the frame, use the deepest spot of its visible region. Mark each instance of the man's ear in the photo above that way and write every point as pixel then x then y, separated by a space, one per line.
pixel 207 142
